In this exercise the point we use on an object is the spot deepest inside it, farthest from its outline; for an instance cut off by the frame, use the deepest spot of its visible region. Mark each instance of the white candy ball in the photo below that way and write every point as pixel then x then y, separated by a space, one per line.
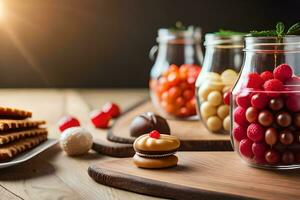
pixel 76 141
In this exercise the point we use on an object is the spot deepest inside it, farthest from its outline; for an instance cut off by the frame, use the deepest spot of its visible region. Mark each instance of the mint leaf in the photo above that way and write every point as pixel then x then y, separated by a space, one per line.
pixel 294 30
pixel 280 29
pixel 268 33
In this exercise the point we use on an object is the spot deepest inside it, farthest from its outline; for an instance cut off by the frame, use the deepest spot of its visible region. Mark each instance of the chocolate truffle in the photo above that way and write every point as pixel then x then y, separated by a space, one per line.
pixel 251 114
pixel 147 122
pixel 288 157
pixel 272 156
pixel 276 104
pixel 286 137
pixel 271 136
pixel 265 118
pixel 284 119
pixel 296 120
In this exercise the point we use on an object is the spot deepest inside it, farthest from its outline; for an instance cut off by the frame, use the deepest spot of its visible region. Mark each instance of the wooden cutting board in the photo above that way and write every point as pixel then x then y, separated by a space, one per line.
pixel 192 134
pixel 200 175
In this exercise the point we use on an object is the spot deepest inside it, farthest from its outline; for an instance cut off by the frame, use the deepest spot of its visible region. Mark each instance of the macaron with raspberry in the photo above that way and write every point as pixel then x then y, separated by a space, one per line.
pixel 155 150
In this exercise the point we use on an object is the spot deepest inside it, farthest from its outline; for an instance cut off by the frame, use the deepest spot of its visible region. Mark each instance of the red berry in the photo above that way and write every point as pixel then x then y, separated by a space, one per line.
pixel 239 133
pixel 259 100
pixel 293 83
pixel 259 160
pixel 283 72
pixel 259 149
pixel 239 116
pixel 244 99
pixel 273 87
pixel 266 75
pixel 293 103
pixel 112 109
pixel 246 148
pixel 67 122
pixel 255 132
pixel 154 134
pixel 226 98
pixel 100 119
pixel 254 81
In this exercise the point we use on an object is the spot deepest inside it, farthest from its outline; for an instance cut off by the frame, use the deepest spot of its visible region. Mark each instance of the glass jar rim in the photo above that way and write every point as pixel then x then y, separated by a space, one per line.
pixel 289 43
pixel 224 41
pixel 191 35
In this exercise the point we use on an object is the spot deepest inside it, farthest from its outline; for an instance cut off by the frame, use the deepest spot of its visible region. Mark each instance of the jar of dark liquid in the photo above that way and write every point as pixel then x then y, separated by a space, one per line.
pixel 174 73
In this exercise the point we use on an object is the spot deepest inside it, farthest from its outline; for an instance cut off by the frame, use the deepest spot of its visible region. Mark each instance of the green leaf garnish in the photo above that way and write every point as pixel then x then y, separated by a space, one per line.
pixel 280 29
pixel 269 33
pixel 223 32
pixel 294 30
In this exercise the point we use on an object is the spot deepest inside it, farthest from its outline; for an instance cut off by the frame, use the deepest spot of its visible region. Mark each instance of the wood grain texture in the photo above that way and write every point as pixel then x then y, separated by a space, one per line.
pixel 7 195
pixel 52 174
pixel 192 134
pixel 200 175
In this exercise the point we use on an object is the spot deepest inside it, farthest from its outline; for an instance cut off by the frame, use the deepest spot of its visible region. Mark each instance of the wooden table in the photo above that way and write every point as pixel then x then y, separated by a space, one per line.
pixel 53 175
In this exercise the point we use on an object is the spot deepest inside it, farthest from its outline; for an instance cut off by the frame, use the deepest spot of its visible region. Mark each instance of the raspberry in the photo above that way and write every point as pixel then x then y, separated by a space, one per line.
pixel 112 109
pixel 283 72
pixel 254 81
pixel 255 132
pixel 239 116
pixel 100 119
pixel 273 85
pixel 67 122
pixel 246 148
pixel 259 100
pixel 293 84
pixel 259 149
pixel 239 133
pixel 154 134
pixel 266 75
pixel 226 98
pixel 244 99
pixel 293 103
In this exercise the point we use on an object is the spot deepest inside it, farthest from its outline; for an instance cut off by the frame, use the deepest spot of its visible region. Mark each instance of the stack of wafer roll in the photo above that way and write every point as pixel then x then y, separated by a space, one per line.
pixel 18 133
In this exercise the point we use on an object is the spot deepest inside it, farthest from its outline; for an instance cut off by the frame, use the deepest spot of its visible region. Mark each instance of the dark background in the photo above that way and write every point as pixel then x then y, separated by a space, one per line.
pixel 105 43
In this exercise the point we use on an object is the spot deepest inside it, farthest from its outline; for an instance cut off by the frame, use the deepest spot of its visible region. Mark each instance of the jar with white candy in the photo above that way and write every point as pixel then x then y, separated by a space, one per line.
pixel 222 63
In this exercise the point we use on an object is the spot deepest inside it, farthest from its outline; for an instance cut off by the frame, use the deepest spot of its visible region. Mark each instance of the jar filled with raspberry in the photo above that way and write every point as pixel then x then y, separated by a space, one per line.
pixel 222 62
pixel 174 73
pixel 265 106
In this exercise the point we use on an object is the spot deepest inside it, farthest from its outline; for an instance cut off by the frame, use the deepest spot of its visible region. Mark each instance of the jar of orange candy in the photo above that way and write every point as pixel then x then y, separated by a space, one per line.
pixel 174 73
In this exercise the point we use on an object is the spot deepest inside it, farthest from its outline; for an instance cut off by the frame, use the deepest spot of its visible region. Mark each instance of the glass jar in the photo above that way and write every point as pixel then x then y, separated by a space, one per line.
pixel 174 73
pixel 265 112
pixel 222 63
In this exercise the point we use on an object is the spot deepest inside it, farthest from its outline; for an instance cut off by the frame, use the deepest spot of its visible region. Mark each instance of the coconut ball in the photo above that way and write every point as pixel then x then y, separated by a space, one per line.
pixel 76 141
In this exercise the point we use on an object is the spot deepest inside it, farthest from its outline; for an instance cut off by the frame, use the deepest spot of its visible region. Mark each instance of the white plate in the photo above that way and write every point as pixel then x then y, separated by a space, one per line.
pixel 29 154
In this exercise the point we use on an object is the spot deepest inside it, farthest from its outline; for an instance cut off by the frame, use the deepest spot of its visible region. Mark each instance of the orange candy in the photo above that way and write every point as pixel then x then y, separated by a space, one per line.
pixel 174 92
pixel 175 89
pixel 188 94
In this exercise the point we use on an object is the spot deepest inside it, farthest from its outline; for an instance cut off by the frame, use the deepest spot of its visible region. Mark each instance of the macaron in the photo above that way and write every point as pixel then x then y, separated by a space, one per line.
pixel 155 150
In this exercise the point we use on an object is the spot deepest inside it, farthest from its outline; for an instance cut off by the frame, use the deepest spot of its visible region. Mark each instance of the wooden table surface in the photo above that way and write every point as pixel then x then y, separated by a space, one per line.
pixel 52 174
